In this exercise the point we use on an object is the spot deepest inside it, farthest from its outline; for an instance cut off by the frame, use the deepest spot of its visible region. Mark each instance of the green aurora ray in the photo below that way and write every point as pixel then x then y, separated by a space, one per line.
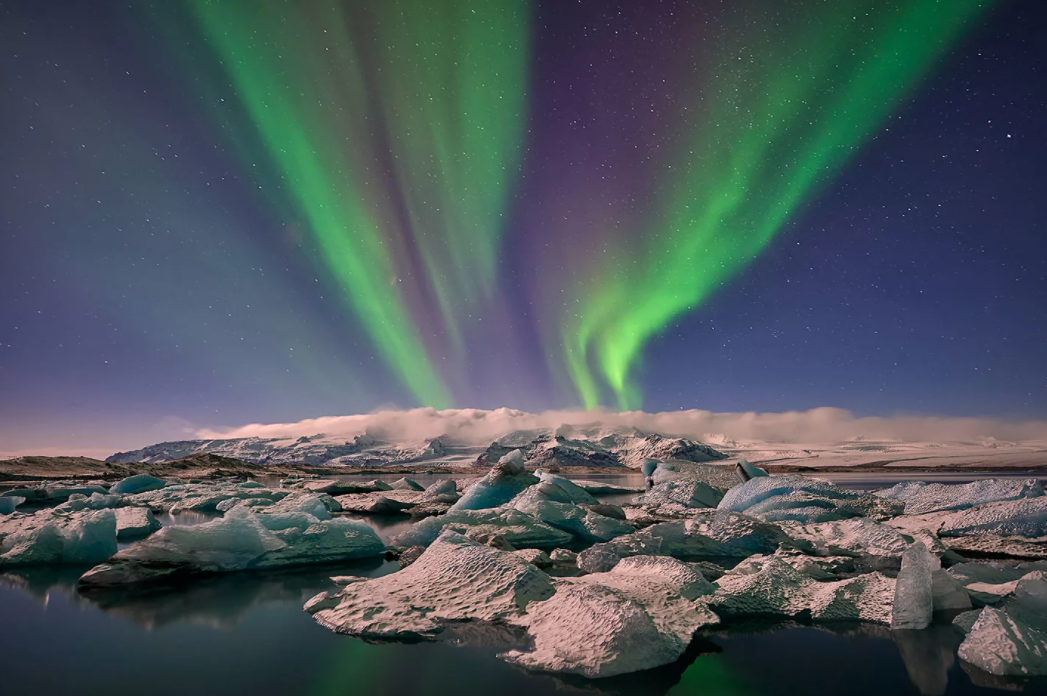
pixel 786 107
pixel 396 128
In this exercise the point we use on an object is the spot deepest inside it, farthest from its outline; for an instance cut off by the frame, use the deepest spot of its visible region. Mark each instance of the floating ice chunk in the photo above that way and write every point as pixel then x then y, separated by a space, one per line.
pixel 97 501
pixel 692 494
pixel 503 483
pixel 134 522
pixel 877 546
pixel 139 483
pixel 406 484
pixel 518 528
pixel 747 471
pixel 994 546
pixel 603 488
pixel 718 476
pixel 802 499
pixel 640 615
pixel 1006 644
pixel 200 497
pixel 237 541
pixel 9 503
pixel 340 539
pixel 714 535
pixel 1026 517
pixel 921 497
pixel 993 572
pixel 535 557
pixel 913 598
pixel 584 524
pixel 345 486
pixel 315 505
pixel 965 621
pixel 456 579
pixel 778 589
pixel 60 493
pixel 948 593
pixel 51 537
pixel 575 493
pixel 225 544
pixel 815 567
pixel 386 503
pixel 441 492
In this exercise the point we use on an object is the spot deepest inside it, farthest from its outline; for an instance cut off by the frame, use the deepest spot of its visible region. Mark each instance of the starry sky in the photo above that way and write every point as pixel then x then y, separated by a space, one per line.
pixel 221 212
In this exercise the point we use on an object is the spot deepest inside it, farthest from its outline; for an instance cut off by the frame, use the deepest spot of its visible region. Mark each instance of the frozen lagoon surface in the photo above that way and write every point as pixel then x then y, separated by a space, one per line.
pixel 246 633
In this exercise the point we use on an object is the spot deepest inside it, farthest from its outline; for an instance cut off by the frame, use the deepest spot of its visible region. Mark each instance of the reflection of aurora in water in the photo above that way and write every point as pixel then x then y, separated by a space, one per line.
pixel 246 634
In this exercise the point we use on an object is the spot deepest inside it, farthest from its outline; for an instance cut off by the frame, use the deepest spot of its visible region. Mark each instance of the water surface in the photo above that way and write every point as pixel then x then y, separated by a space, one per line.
pixel 246 633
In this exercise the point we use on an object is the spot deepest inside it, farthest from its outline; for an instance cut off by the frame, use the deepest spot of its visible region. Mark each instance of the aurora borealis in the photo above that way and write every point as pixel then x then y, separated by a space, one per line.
pixel 780 118
pixel 220 212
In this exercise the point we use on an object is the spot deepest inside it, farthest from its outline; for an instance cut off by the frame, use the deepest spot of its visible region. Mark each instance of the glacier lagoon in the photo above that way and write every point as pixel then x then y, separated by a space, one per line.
pixel 247 633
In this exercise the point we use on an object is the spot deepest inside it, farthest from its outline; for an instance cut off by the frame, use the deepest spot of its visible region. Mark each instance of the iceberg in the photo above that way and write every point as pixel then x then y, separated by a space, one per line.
pixel 135 522
pixel 640 615
pixel 238 541
pixel 714 535
pixel 779 590
pixel 139 483
pixel 1007 643
pixel 805 500
pixel 921 497
pixel 53 537
pixel 1025 517
pixel 517 528
pixel 747 471
pixel 441 492
pixel 583 524
pixel 688 493
pixel 406 484
pixel 574 493
pixel 456 579
pixel 503 483
pixel 913 598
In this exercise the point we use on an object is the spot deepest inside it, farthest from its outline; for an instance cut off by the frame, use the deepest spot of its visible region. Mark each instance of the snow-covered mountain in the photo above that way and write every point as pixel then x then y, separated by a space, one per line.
pixel 591 446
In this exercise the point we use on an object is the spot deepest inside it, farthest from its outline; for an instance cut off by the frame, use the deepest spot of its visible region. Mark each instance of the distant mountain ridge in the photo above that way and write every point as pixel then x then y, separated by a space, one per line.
pixel 565 446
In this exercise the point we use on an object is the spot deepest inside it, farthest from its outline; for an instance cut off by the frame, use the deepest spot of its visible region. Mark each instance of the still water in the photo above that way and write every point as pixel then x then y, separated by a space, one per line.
pixel 247 634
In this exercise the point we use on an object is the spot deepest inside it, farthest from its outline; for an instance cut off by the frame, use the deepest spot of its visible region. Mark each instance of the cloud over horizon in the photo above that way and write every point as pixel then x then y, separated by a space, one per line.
pixel 819 425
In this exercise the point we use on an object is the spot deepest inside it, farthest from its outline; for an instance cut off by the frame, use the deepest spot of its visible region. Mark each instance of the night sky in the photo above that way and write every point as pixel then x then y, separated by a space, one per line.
pixel 216 213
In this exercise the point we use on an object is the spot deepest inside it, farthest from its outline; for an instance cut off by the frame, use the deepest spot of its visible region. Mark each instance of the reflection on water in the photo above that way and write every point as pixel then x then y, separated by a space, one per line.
pixel 246 634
